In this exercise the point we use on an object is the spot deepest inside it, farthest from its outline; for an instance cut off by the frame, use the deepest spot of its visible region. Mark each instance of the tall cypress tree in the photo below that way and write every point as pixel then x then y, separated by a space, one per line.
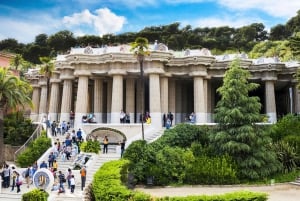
pixel 237 134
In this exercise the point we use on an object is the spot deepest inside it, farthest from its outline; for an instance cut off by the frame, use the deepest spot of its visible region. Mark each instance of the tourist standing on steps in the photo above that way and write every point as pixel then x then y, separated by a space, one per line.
pixel 105 145
pixel 69 177
pixel 83 177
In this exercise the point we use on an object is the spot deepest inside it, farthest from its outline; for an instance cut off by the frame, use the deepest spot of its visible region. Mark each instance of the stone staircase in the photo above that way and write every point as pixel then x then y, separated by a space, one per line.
pixel 94 163
pixel 296 182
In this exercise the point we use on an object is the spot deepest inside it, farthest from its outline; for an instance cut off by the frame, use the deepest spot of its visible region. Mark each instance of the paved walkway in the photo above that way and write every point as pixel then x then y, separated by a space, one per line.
pixel 278 192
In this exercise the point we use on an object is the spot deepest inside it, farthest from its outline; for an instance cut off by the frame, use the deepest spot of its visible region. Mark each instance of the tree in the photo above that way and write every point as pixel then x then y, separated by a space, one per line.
pixel 237 134
pixel 47 69
pixel 140 48
pixel 62 41
pixel 13 93
pixel 294 43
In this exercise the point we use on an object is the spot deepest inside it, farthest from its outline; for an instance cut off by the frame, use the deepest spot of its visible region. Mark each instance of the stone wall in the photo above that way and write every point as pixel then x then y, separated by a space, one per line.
pixel 9 152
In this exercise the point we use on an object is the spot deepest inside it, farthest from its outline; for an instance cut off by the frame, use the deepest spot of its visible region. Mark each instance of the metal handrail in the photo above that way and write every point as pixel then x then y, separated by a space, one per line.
pixel 36 133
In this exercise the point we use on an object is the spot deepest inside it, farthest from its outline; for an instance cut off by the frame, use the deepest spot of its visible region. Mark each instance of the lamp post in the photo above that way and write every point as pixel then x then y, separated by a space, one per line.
pixel 140 58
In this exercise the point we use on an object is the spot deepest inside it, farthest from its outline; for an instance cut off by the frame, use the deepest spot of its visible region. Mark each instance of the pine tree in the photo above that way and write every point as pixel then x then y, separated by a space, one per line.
pixel 237 134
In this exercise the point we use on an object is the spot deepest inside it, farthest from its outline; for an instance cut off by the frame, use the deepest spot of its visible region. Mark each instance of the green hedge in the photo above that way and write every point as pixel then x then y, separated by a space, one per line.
pixel 90 146
pixel 109 180
pixel 236 196
pixel 35 195
pixel 34 151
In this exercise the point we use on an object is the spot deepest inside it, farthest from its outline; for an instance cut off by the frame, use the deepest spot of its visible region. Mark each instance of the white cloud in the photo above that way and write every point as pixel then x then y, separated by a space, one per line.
pixel 286 9
pixel 102 22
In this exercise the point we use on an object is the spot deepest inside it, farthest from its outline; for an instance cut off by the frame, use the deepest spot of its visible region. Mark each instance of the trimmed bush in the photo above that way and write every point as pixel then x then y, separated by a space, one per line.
pixel 35 195
pixel 90 146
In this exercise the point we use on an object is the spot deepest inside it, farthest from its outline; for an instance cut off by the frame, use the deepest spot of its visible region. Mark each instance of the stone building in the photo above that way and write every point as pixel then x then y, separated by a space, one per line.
pixel 106 80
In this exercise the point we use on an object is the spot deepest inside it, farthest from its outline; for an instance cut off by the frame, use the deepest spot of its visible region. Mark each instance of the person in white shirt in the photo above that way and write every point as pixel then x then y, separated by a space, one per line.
pixel 72 182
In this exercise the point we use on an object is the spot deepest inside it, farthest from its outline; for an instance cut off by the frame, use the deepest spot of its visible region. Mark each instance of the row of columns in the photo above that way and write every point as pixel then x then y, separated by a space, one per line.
pixel 164 96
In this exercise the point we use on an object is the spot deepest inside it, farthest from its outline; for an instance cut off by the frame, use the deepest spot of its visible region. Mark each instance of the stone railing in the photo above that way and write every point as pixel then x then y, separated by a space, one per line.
pixel 36 133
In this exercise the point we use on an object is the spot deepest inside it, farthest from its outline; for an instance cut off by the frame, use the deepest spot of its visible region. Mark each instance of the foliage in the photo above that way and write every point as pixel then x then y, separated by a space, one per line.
pixel 287 155
pixel 34 151
pixel 278 49
pixel 13 91
pixel 236 196
pixel 173 163
pixel 90 146
pixel 35 195
pixel 294 43
pixel 212 170
pixel 286 126
pixel 108 183
pixel 237 135
pixel 17 129
pixel 183 135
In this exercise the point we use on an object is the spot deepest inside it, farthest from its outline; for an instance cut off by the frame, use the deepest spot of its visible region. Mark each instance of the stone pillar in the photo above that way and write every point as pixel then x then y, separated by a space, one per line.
pixel 117 98
pixel 178 102
pixel 82 100
pixel 172 99
pixel 36 102
pixel 270 103
pixel 208 101
pixel 43 99
pixel 109 100
pixel 66 103
pixel 199 100
pixel 54 97
pixel 154 95
pixel 130 98
pixel 296 99
pixel 98 100
pixel 164 96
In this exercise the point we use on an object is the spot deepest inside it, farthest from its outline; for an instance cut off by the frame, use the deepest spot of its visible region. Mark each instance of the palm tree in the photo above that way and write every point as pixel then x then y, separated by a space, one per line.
pixel 47 69
pixel 140 48
pixel 13 93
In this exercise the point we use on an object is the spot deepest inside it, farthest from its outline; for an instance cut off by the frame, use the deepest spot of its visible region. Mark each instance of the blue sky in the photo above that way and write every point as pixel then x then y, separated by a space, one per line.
pixel 25 19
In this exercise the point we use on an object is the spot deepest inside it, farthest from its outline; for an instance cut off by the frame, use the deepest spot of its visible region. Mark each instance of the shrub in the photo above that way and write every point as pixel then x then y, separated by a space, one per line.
pixel 90 146
pixel 34 151
pixel 216 170
pixel 17 129
pixel 35 195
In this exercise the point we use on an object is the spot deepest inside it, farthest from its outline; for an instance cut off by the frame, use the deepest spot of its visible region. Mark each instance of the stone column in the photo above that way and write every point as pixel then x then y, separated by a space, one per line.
pixel 208 101
pixel 109 100
pixel 296 99
pixel 199 100
pixel 270 103
pixel 43 99
pixel 66 104
pixel 117 98
pixel 82 100
pixel 98 100
pixel 36 102
pixel 54 97
pixel 130 98
pixel 164 96
pixel 172 99
pixel 154 95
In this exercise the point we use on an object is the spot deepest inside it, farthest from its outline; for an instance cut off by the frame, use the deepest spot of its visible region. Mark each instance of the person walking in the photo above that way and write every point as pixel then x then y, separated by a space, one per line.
pixel 122 147
pixel 18 182
pixel 72 182
pixel 105 145
pixel 14 176
pixel 69 177
pixel 83 177
pixel 27 176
